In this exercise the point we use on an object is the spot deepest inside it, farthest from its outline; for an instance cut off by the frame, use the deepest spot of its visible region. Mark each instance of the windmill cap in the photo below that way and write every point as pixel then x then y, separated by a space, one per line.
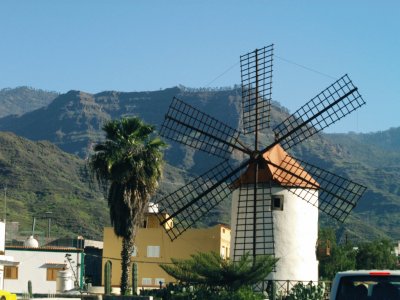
pixel 279 168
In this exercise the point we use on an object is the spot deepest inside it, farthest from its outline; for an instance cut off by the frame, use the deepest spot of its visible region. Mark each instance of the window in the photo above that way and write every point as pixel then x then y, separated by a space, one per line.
pixel 222 252
pixel 51 274
pixel 146 281
pixel 10 272
pixel 134 251
pixel 159 281
pixel 153 251
pixel 277 202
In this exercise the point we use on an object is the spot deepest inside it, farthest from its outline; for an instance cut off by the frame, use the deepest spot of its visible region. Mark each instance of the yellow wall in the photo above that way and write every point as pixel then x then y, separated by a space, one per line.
pixel 216 239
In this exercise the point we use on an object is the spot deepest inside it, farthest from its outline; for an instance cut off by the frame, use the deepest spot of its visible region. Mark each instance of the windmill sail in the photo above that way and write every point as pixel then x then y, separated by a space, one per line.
pixel 187 125
pixel 193 201
pixel 256 73
pixel 335 102
pixel 254 226
pixel 337 195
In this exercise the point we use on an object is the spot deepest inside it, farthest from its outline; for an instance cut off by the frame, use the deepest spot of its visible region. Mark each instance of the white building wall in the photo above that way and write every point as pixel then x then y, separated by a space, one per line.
pixel 1 277
pixel 2 236
pixel 2 247
pixel 32 268
pixel 295 236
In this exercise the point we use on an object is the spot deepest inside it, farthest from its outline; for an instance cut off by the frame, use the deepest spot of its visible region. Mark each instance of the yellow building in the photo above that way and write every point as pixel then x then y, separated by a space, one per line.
pixel 153 247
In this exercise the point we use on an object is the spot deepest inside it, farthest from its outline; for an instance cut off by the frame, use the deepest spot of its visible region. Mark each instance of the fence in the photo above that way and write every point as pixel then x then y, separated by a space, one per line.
pixel 280 289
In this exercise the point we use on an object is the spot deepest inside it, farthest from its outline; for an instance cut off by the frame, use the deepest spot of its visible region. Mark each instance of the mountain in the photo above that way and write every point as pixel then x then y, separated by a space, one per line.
pixel 388 140
pixel 40 178
pixel 374 160
pixel 73 122
pixel 369 164
pixel 23 99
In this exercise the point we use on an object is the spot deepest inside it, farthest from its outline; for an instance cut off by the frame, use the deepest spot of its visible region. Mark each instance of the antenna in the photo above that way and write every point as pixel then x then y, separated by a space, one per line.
pixel 33 226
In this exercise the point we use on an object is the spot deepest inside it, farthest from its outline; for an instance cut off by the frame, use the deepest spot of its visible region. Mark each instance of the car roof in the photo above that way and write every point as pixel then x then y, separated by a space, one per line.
pixel 369 272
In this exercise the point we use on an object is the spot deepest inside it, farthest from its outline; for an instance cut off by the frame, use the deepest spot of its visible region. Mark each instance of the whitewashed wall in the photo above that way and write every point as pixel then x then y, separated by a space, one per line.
pixel 2 236
pixel 2 247
pixel 31 268
pixel 295 236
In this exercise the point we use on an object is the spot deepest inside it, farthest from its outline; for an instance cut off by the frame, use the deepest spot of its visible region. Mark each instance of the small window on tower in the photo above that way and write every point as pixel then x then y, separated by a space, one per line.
pixel 277 202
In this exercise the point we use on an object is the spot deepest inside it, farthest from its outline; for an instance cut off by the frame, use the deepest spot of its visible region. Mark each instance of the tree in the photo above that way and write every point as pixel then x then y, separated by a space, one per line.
pixel 129 164
pixel 341 258
pixel 211 270
pixel 368 255
pixel 376 255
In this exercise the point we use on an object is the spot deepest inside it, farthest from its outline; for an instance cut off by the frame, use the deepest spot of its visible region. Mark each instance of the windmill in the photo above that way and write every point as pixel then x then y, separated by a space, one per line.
pixel 276 198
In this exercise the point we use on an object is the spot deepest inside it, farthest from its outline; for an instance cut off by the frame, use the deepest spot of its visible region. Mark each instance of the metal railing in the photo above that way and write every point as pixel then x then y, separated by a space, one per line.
pixel 280 289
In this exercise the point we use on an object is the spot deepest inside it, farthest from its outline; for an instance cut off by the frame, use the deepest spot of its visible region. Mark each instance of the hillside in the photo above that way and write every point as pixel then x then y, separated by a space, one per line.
pixel 41 178
pixel 388 140
pixel 73 122
pixel 376 168
pixel 23 99
pixel 374 160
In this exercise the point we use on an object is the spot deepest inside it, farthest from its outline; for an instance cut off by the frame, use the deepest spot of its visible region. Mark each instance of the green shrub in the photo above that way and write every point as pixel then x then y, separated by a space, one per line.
pixel 308 291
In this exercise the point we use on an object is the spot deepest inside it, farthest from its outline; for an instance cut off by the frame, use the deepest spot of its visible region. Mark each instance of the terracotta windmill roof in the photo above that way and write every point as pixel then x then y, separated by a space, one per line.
pixel 280 168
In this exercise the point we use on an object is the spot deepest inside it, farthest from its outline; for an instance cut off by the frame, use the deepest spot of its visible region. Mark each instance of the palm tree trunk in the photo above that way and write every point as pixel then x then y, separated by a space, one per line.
pixel 127 247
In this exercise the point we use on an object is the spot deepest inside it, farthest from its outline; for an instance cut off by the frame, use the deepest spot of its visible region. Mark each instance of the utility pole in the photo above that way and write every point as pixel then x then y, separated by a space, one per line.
pixel 5 203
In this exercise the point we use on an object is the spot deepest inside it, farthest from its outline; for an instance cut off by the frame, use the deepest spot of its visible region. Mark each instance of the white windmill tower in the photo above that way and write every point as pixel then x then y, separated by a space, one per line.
pixel 286 226
pixel 269 179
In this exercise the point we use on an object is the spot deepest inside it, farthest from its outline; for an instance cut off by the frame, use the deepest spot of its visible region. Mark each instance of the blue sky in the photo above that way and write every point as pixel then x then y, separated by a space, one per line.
pixel 147 45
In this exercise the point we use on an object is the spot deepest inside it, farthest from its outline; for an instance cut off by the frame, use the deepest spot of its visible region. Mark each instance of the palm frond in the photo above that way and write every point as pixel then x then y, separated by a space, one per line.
pixel 211 269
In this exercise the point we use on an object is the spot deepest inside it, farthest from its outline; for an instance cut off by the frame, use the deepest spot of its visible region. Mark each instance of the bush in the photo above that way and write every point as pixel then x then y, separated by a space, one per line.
pixel 243 293
pixel 176 292
pixel 309 291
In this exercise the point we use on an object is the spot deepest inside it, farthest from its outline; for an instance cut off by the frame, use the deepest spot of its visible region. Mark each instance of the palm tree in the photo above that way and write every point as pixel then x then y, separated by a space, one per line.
pixel 129 164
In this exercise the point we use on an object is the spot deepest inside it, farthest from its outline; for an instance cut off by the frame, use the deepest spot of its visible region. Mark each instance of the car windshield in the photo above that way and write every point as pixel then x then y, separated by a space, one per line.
pixel 371 287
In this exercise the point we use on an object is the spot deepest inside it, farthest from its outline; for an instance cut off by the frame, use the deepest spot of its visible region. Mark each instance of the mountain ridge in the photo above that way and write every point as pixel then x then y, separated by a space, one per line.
pixel 73 122
pixel 23 99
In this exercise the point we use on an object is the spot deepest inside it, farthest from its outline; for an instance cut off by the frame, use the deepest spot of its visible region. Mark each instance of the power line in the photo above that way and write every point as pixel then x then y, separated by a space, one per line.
pixel 281 58
pixel 222 74
pixel 132 260
pixel 306 68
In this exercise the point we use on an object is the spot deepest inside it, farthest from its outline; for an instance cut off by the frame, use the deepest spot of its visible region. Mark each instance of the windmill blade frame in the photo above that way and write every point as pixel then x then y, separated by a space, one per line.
pixel 254 227
pixel 337 195
pixel 332 104
pixel 186 124
pixel 256 78
pixel 191 202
